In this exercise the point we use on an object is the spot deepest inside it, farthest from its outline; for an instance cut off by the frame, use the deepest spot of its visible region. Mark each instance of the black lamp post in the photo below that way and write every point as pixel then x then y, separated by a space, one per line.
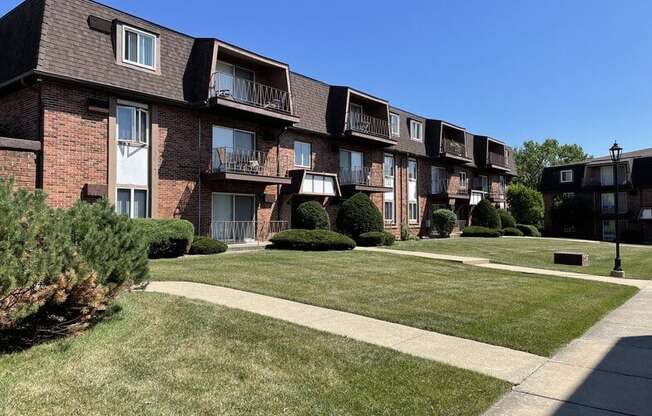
pixel 616 151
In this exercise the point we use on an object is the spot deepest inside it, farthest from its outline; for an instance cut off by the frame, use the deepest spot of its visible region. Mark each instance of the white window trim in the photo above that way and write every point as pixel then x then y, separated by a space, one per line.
pixel 294 149
pixel 464 180
pixel 131 190
pixel 416 200
pixel 253 133
pixel 233 202
pixel 391 221
pixel 484 179
pixel 412 130
pixel 398 124
pixel 568 179
pixel 139 32
pixel 136 107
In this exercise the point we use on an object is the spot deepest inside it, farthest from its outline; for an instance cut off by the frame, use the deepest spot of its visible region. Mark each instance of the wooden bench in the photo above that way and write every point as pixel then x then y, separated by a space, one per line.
pixel 571 259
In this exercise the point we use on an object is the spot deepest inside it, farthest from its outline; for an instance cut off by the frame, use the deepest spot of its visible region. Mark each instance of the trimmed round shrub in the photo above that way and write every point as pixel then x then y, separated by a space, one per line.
pixel 166 238
pixel 512 231
pixel 485 215
pixel 529 230
pixel 443 221
pixel 358 215
pixel 506 219
pixel 478 231
pixel 375 239
pixel 311 215
pixel 311 240
pixel 206 245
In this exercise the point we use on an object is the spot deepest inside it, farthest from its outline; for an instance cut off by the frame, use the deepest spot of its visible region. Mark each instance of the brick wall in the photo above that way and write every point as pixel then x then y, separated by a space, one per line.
pixel 20 166
pixel 19 115
pixel 75 145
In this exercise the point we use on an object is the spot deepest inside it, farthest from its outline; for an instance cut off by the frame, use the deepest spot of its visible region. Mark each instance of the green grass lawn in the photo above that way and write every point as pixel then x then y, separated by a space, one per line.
pixel 531 252
pixel 525 312
pixel 162 355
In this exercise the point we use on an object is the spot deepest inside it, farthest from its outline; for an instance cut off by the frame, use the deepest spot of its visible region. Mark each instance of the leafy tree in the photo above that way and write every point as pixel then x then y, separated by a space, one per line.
pixel 572 210
pixel 443 221
pixel 526 204
pixel 533 156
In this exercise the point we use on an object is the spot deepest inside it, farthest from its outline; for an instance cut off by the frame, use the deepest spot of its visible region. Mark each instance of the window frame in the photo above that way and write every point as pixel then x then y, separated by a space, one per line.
pixel 139 32
pixel 464 180
pixel 413 203
pixel 414 123
pixel 398 124
pixel 132 193
pixel 309 144
pixel 392 217
pixel 568 179
pixel 137 110
pixel 484 183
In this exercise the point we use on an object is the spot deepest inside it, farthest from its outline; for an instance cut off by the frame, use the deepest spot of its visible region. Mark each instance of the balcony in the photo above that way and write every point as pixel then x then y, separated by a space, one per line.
pixel 455 149
pixel 234 232
pixel 498 195
pixel 443 187
pixel 244 165
pixel 360 180
pixel 498 160
pixel 363 124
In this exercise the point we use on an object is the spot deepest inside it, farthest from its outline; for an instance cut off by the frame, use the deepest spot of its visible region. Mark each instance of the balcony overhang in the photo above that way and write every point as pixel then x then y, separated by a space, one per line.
pixel 233 105
pixel 498 167
pixel 373 139
pixel 454 157
pixel 244 177
pixel 371 189
pixel 445 194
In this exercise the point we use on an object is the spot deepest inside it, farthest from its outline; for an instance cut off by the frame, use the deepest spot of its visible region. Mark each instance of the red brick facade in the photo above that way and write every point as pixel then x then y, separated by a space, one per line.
pixel 19 115
pixel 20 166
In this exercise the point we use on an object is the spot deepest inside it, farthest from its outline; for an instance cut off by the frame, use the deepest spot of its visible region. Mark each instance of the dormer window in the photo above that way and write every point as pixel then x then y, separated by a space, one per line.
pixel 566 176
pixel 416 130
pixel 138 48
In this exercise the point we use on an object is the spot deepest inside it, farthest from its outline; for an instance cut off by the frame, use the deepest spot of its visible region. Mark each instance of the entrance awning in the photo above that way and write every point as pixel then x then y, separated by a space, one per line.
pixel 311 183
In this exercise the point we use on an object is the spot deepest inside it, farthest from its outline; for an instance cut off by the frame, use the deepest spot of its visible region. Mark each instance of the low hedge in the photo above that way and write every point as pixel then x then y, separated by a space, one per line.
pixel 166 238
pixel 206 245
pixel 512 231
pixel 376 238
pixel 529 230
pixel 311 240
pixel 478 231
pixel 506 219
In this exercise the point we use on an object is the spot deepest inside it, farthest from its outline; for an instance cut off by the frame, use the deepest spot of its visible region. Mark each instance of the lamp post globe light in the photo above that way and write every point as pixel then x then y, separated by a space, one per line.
pixel 616 151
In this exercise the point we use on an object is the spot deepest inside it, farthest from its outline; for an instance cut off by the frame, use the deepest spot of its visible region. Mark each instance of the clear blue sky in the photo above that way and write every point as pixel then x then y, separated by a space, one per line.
pixel 578 71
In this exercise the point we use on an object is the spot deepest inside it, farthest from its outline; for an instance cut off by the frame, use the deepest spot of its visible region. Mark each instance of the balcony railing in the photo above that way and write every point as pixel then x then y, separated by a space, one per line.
pixel 249 162
pixel 497 159
pixel 454 148
pixel 363 123
pixel 249 92
pixel 246 231
pixel 356 176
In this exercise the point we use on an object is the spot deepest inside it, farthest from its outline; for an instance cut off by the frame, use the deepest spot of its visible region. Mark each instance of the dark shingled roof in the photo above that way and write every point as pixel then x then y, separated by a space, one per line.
pixel 53 38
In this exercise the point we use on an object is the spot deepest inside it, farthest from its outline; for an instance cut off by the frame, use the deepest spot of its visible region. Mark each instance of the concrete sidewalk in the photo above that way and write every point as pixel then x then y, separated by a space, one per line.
pixel 608 371
pixel 486 263
pixel 499 362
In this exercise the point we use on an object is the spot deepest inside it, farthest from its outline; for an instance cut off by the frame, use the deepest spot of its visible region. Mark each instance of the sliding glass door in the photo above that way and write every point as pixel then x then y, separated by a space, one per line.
pixel 233 218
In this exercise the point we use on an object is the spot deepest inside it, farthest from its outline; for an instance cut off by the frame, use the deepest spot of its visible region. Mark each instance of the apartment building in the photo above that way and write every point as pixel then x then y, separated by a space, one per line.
pixel 98 103
pixel 594 182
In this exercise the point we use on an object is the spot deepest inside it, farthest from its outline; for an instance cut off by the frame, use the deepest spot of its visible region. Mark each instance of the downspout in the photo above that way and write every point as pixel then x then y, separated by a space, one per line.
pixel 199 173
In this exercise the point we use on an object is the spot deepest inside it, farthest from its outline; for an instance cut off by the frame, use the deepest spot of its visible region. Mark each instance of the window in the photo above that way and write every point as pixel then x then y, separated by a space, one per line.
pixel 232 217
pixel 138 48
pixel 302 154
pixel 503 184
pixel 568 195
pixel 646 214
pixel 416 130
pixel 608 230
pixel 413 205
pixel 566 176
pixel 132 202
pixel 439 183
pixel 318 184
pixel 484 183
pixel 609 203
pixel 234 150
pixel 395 124
pixel 132 123
pixel 388 181
pixel 235 82
pixel 352 168
pixel 464 181
pixel 607 175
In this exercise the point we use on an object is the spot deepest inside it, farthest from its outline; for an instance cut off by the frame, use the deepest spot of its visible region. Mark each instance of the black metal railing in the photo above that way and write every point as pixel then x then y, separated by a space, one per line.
pixel 356 176
pixel 363 123
pixel 454 148
pixel 250 162
pixel 249 92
